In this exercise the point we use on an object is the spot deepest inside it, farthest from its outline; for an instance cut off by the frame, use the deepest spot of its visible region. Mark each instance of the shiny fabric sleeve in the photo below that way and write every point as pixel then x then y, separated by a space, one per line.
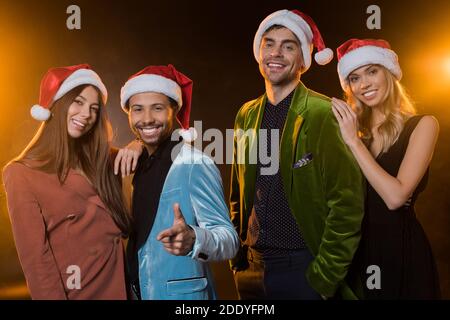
pixel 216 238
pixel 35 253
pixel 343 185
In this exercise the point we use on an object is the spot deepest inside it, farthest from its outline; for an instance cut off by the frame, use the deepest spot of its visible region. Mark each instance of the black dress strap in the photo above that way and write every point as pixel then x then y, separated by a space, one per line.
pixel 403 139
pixel 411 124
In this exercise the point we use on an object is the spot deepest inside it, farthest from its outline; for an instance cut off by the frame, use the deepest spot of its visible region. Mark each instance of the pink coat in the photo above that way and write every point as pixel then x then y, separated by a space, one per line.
pixel 60 230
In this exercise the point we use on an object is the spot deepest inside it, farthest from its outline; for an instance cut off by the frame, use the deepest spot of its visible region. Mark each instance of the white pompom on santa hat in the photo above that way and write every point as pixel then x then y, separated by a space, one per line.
pixel 58 81
pixel 168 81
pixel 355 53
pixel 304 27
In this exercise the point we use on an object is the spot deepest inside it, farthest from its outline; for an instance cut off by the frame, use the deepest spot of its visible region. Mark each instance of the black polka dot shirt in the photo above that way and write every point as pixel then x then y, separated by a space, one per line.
pixel 272 228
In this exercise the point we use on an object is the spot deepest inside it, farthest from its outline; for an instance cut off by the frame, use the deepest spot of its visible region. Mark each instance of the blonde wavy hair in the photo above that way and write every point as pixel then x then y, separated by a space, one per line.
pixel 397 107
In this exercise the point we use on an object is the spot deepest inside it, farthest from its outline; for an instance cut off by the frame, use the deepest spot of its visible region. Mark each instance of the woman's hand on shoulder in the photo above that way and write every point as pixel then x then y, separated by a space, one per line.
pixel 127 158
pixel 347 119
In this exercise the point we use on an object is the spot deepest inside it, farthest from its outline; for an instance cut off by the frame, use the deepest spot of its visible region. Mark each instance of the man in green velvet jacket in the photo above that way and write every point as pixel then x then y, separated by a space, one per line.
pixel 319 180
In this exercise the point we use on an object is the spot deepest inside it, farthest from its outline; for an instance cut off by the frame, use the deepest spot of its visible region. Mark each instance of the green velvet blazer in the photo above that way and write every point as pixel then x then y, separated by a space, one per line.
pixel 325 191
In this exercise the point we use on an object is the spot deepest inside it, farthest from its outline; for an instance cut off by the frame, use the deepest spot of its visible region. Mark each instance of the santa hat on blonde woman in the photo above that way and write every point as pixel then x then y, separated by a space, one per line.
pixel 356 53
pixel 303 27
pixel 58 81
pixel 168 81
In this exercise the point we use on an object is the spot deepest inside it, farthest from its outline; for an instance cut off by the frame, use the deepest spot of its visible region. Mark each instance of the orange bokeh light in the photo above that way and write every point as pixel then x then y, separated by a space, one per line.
pixel 446 65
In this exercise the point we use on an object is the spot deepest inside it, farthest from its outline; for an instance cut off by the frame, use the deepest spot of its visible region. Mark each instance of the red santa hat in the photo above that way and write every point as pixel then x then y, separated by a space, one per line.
pixel 168 81
pixel 58 81
pixel 303 27
pixel 356 53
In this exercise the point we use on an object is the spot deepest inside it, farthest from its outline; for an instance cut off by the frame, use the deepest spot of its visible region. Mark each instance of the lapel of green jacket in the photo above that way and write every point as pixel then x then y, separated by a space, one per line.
pixel 289 136
pixel 253 121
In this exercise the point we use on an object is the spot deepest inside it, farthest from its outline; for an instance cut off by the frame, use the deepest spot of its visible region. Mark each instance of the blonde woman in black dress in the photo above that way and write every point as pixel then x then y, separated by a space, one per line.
pixel 393 147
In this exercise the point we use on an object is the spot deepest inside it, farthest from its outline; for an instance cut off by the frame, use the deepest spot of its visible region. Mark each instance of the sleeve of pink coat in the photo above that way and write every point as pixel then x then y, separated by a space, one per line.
pixel 35 253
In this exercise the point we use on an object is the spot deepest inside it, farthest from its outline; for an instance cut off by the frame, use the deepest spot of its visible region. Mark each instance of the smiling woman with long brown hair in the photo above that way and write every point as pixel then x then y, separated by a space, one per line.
pixel 65 203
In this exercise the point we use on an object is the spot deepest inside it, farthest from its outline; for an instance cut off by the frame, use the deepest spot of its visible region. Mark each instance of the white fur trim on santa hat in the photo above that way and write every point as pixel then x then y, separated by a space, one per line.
pixel 323 57
pixel 294 23
pixel 368 55
pixel 78 78
pixel 188 135
pixel 40 113
pixel 150 83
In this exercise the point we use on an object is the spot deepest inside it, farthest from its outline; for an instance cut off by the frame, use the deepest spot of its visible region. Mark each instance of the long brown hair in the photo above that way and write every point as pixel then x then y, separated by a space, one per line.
pixel 52 150
pixel 397 107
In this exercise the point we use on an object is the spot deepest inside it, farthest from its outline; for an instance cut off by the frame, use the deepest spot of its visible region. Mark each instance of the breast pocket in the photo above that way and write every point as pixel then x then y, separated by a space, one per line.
pixel 305 179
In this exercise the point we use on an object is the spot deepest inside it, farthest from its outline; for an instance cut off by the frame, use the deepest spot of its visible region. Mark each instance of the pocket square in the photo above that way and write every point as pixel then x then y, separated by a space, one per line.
pixel 307 158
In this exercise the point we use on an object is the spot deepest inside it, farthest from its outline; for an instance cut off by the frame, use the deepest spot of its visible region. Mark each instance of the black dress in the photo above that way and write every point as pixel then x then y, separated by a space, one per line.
pixel 394 240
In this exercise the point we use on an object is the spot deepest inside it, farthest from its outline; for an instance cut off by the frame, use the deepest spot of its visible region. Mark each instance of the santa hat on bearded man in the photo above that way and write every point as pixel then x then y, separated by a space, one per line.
pixel 304 27
pixel 58 81
pixel 168 81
